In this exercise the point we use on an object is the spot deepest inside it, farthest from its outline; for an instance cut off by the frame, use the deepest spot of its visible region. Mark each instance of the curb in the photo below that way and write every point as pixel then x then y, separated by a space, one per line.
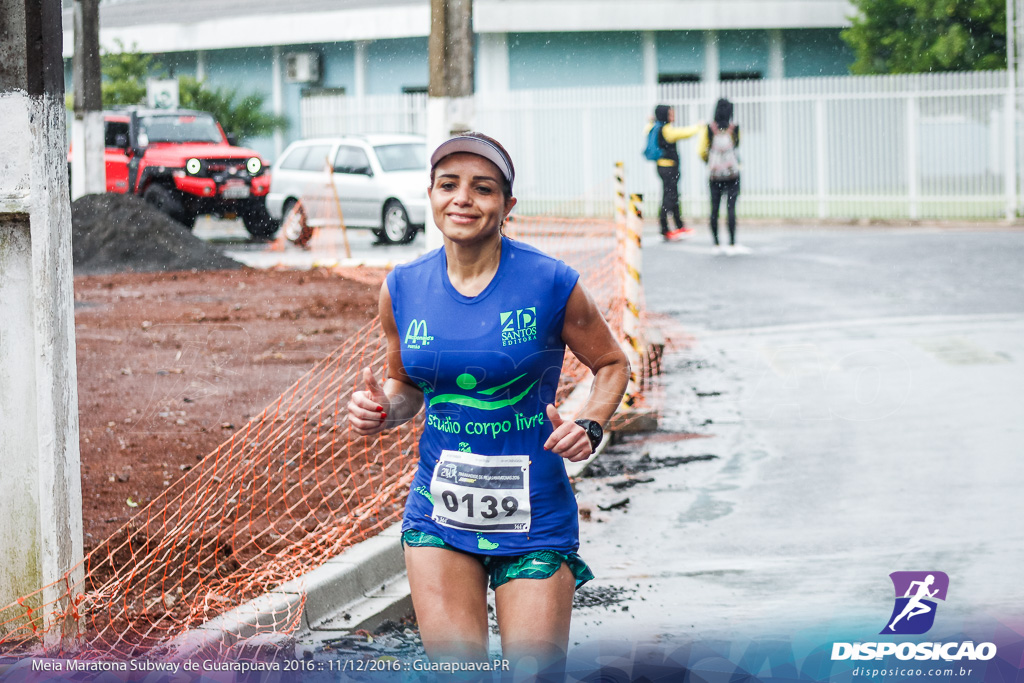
pixel 359 588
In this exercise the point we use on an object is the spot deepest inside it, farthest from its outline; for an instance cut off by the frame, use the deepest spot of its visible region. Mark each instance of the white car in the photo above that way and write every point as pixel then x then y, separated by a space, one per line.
pixel 380 182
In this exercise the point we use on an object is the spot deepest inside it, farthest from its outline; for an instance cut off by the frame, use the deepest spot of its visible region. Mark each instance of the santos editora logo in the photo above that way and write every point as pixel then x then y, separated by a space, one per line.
pixel 913 613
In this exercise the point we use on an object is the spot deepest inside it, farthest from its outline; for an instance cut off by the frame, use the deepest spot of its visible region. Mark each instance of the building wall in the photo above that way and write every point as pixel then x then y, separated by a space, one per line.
pixel 179 64
pixel 246 70
pixel 518 61
pixel 680 52
pixel 559 60
pixel 815 52
pixel 337 72
pixel 743 52
pixel 392 65
pixel 338 65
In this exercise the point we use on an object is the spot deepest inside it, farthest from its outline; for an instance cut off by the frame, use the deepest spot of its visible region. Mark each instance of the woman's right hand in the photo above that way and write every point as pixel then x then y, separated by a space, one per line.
pixel 368 409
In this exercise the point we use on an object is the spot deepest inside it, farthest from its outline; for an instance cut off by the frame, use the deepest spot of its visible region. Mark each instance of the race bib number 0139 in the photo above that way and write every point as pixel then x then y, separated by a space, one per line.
pixel 482 492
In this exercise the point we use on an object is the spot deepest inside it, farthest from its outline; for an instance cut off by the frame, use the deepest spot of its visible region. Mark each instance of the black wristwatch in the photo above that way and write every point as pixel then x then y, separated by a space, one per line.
pixel 594 432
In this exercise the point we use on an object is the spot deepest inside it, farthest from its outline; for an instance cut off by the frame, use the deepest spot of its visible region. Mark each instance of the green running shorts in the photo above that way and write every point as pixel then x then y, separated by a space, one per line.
pixel 539 564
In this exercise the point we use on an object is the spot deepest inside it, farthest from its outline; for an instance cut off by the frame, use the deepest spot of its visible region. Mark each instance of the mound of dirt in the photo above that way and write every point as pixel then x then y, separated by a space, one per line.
pixel 113 233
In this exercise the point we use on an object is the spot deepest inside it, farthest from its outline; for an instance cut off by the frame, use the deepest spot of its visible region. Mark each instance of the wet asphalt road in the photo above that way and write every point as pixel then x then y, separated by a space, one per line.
pixel 861 389
pixel 849 402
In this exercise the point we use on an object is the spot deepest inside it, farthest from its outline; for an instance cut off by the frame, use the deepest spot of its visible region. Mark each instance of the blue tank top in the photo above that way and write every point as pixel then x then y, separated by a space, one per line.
pixel 488 366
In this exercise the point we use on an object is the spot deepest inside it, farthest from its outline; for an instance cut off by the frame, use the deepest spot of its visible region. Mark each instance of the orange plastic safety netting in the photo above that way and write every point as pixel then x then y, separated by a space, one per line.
pixel 287 491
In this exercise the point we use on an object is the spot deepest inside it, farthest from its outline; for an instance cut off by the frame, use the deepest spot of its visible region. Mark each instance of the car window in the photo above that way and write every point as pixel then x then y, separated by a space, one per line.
pixel 316 160
pixel 351 160
pixel 411 156
pixel 178 128
pixel 113 129
pixel 293 160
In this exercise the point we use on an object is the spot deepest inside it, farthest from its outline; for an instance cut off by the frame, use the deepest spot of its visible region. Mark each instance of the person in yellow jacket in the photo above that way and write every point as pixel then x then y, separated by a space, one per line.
pixel 668 169
pixel 717 148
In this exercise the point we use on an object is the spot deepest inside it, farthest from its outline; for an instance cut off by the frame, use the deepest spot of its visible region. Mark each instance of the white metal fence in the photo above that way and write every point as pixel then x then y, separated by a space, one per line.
pixel 330 114
pixel 914 146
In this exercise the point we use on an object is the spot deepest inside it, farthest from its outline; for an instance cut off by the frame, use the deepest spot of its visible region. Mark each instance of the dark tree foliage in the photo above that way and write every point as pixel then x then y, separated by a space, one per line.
pixel 916 36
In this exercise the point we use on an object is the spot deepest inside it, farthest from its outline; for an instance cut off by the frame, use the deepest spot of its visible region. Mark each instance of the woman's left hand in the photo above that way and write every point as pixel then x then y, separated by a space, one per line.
pixel 568 439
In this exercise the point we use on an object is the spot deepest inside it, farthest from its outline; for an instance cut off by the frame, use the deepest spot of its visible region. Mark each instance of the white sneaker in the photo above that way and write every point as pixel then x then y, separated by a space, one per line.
pixel 740 249
pixel 718 250
pixel 729 250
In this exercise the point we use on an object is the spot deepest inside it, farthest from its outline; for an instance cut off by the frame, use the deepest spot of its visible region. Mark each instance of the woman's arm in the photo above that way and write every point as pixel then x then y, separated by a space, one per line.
pixel 677 133
pixel 588 336
pixel 704 148
pixel 377 408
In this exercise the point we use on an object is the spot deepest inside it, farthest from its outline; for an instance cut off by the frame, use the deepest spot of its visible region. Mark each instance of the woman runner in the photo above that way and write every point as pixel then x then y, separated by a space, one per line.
pixel 477 330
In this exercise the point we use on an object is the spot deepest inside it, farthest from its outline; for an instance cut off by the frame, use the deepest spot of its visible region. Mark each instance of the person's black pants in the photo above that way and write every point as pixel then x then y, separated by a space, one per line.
pixel 731 189
pixel 669 197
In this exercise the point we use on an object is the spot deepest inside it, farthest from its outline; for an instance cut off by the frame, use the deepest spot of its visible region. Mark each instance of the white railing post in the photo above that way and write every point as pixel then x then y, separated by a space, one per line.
pixel 1010 152
pixel 587 161
pixel 1011 109
pixel 913 172
pixel 821 157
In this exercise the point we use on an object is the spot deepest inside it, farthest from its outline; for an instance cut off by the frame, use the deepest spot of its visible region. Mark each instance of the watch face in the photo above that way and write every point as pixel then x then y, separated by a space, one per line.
pixel 594 431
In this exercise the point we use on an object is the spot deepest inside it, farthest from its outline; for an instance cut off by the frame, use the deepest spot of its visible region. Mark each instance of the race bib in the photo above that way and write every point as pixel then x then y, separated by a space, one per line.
pixel 481 492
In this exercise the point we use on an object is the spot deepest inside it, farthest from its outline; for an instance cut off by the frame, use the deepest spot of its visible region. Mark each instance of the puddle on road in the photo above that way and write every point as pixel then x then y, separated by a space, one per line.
pixel 705 509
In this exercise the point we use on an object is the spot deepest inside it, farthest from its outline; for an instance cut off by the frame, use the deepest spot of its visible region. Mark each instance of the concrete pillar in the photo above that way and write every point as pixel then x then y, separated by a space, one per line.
pixel 450 103
pixel 776 55
pixel 277 97
pixel 200 65
pixel 365 120
pixel 89 174
pixel 359 64
pixel 712 66
pixel 493 64
pixel 650 52
pixel 41 503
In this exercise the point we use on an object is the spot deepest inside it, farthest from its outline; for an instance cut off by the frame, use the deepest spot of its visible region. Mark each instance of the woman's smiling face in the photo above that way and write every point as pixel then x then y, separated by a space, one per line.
pixel 467 198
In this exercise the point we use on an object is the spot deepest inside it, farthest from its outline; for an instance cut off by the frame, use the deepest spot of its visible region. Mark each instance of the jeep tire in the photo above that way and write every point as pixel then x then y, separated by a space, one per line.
pixel 257 219
pixel 165 200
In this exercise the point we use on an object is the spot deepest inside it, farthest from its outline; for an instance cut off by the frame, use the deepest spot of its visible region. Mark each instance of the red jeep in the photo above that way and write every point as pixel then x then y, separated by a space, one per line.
pixel 182 163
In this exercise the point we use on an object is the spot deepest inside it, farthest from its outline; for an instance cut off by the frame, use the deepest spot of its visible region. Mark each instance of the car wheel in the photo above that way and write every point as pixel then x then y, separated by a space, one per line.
pixel 295 225
pixel 188 218
pixel 258 221
pixel 162 198
pixel 396 227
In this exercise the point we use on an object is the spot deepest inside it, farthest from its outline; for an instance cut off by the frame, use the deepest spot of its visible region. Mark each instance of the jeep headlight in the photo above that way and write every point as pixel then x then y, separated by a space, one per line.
pixel 193 166
pixel 254 165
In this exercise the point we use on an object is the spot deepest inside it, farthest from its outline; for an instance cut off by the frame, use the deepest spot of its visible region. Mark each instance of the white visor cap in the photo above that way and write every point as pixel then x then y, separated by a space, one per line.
pixel 473 145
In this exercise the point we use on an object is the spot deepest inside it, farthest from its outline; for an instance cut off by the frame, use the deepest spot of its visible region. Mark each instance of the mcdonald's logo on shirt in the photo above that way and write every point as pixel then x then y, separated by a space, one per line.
pixel 416 336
